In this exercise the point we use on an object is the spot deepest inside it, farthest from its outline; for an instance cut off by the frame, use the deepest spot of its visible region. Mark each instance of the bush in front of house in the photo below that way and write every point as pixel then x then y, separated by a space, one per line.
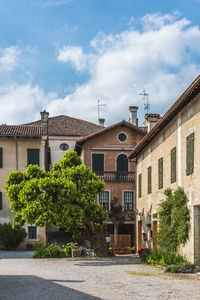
pixel 10 238
pixel 174 263
pixel 54 251
pixel 182 268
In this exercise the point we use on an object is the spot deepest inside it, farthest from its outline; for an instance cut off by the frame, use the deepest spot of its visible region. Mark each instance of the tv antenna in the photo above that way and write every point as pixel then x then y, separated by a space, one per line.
pixel 146 96
pixel 99 107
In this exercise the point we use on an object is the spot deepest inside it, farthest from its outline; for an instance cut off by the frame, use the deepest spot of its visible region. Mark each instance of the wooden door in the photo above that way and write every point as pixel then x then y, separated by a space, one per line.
pixel 139 243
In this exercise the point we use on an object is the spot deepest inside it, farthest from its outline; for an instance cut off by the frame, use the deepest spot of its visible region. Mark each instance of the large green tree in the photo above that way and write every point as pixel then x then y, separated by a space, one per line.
pixel 65 197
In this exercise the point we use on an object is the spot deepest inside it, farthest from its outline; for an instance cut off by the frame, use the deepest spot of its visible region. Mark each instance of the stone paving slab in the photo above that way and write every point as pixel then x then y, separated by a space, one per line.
pixel 114 278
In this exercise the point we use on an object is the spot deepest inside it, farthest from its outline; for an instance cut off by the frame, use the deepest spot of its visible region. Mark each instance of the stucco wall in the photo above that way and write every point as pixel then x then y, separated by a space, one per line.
pixel 174 135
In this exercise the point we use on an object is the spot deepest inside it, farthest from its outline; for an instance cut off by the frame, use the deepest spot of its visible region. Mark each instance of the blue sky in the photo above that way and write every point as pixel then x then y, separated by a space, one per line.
pixel 64 55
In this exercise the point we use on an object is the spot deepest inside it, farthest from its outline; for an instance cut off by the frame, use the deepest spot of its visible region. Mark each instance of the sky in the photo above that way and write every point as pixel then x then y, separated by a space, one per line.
pixel 65 55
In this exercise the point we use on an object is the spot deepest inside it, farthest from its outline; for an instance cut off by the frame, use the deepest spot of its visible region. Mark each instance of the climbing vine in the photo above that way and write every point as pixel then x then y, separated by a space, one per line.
pixel 174 220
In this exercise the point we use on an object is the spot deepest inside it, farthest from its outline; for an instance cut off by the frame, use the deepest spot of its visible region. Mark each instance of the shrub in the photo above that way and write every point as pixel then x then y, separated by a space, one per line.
pixel 163 258
pixel 68 249
pixel 143 253
pixel 181 268
pixel 54 251
pixel 10 238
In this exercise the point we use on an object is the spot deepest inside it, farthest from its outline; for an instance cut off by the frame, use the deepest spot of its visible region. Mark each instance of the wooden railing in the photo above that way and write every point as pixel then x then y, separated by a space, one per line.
pixel 115 176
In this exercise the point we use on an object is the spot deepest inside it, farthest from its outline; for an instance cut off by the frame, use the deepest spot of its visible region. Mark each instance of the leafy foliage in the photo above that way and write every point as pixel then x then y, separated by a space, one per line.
pixel 54 251
pixel 65 197
pixel 9 237
pixel 174 220
pixel 182 268
pixel 162 258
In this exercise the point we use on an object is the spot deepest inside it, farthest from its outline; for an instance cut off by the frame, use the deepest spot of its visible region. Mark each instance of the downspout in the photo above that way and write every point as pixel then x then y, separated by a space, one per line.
pixel 16 146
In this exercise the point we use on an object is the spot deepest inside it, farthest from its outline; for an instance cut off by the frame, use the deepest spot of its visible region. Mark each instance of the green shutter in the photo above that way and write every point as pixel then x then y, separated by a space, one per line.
pixel 0 200
pixel 149 180
pixel 140 185
pixel 190 154
pixel 97 162
pixel 173 165
pixel 1 158
pixel 160 173
pixel 33 157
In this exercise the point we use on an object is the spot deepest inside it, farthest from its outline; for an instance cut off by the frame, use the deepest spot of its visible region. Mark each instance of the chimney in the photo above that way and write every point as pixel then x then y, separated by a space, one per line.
pixel 44 118
pixel 101 122
pixel 151 120
pixel 133 115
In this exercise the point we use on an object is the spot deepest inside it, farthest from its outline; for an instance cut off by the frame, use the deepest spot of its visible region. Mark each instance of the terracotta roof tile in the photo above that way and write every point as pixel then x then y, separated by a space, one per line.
pixel 22 130
pixel 65 125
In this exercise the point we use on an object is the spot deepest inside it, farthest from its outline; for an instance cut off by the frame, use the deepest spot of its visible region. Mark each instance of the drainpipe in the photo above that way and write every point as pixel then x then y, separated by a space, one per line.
pixel 16 146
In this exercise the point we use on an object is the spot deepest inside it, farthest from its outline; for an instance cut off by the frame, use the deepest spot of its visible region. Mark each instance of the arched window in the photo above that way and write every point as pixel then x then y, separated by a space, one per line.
pixel 122 163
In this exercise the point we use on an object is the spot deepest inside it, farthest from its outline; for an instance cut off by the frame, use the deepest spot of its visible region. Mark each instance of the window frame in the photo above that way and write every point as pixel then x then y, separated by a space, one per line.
pixel 190 154
pixel 123 200
pixel 109 199
pixel 173 164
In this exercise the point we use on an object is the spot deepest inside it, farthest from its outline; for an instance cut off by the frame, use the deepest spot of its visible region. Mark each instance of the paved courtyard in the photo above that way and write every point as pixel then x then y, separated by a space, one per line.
pixel 111 278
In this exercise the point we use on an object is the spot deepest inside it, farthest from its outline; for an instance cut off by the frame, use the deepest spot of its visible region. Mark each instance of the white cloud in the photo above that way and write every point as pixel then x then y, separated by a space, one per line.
pixel 8 58
pixel 162 57
pixel 75 56
pixel 159 58
pixel 22 103
pixel 55 3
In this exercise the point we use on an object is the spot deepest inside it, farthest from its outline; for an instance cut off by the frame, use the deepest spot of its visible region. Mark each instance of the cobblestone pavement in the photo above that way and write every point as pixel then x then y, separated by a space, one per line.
pixel 112 278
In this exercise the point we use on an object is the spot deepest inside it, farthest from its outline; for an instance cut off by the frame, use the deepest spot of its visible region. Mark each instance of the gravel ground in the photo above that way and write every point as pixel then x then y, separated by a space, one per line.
pixel 110 278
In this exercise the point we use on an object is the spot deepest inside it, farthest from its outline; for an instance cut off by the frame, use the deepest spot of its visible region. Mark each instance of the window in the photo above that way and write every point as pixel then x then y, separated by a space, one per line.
pixel 149 180
pixel 1 158
pixel 160 173
pixel 122 137
pixel 32 232
pixel 140 185
pixel 97 162
pixel 64 147
pixel 190 154
pixel 128 200
pixel 0 200
pixel 33 157
pixel 122 163
pixel 104 199
pixel 173 165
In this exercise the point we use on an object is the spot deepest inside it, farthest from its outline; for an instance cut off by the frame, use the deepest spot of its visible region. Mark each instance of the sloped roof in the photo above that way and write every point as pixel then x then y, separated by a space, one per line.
pixel 141 130
pixel 181 102
pixel 68 126
pixel 22 130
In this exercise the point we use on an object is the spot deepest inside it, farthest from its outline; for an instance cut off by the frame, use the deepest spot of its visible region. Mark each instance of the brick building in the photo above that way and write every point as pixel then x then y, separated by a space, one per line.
pixel 106 153
pixel 168 156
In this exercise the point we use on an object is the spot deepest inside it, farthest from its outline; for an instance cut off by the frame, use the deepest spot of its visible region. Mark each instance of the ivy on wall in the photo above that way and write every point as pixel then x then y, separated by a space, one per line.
pixel 174 220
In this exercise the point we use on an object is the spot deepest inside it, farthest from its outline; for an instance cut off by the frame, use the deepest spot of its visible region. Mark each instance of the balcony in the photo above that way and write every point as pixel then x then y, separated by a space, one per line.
pixel 115 176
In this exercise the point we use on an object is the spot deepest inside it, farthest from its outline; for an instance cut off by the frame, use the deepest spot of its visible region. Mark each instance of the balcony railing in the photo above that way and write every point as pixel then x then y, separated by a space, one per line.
pixel 115 176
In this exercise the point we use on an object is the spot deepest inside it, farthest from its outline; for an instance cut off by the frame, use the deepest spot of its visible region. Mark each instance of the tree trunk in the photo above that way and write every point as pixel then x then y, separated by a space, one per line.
pixel 98 242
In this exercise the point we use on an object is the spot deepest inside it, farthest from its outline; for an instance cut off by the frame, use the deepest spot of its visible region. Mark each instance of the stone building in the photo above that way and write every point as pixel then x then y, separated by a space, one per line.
pixel 106 153
pixel 168 156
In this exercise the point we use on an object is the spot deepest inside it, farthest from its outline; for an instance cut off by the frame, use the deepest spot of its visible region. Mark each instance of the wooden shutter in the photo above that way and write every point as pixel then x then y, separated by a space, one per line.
pixel 97 162
pixel 1 158
pixel 190 154
pixel 140 185
pixel 160 173
pixel 0 200
pixel 173 165
pixel 33 157
pixel 149 180
pixel 122 163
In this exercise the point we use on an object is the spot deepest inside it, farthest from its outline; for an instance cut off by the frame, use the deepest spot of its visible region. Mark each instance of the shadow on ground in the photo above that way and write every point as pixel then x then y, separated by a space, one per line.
pixel 30 287
pixel 110 261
